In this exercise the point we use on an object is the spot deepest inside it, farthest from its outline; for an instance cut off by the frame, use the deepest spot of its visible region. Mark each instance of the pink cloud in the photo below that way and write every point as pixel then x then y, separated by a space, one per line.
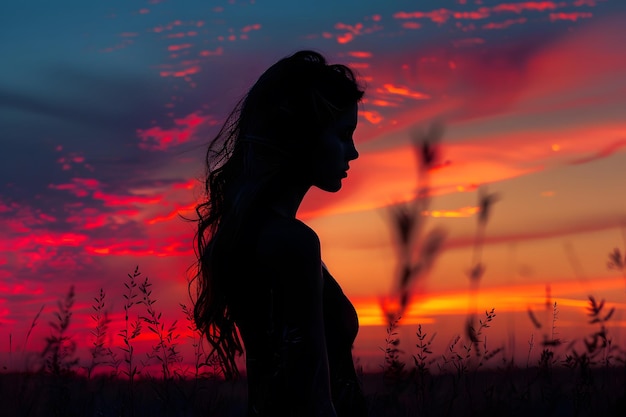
pixel 360 54
pixel 248 28
pixel 570 16
pixel 181 73
pixel 411 25
pixel 505 24
pixel 80 187
pixel 158 138
pixel 179 47
pixel 528 5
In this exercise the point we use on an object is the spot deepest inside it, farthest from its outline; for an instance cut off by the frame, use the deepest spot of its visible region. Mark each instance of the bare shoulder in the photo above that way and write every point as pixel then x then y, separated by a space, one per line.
pixel 281 237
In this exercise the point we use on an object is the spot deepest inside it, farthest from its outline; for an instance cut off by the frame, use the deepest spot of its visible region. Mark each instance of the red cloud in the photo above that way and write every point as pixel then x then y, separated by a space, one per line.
pixel 59 239
pixel 88 218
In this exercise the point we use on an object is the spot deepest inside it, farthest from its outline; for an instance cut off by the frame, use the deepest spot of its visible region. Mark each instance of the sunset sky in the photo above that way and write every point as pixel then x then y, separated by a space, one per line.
pixel 107 108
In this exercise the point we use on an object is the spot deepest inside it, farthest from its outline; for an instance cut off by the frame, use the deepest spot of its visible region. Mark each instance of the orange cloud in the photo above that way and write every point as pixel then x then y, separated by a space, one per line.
pixel 403 91
pixel 381 103
pixel 380 178
pixel 462 212
pixel 371 116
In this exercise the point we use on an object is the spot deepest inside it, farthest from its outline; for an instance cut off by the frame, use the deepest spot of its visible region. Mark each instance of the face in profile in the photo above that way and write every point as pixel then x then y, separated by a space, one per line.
pixel 334 150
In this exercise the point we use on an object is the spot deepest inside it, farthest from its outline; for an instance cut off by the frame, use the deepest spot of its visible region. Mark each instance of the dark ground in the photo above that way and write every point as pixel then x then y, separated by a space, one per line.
pixel 503 392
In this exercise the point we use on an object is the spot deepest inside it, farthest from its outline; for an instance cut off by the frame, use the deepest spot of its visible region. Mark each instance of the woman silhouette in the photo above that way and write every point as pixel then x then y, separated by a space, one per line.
pixel 260 273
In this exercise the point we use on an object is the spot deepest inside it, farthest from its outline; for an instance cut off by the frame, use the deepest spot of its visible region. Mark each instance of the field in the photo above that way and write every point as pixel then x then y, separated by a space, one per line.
pixel 467 379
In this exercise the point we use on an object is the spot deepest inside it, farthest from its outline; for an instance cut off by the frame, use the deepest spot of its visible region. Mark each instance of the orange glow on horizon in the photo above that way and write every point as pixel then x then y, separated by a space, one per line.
pixel 423 309
pixel 462 212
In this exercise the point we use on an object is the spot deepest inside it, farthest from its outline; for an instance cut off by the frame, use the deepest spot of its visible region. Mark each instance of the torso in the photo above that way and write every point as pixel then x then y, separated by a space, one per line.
pixel 257 312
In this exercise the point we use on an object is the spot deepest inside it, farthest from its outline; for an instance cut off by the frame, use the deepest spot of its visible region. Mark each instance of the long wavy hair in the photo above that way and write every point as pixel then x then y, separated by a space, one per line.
pixel 265 139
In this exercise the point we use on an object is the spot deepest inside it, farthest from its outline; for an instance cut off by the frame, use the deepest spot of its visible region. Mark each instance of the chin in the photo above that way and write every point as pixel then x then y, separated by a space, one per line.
pixel 330 187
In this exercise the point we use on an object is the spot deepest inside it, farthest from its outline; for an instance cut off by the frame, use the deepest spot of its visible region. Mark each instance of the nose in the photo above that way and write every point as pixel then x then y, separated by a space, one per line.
pixel 352 152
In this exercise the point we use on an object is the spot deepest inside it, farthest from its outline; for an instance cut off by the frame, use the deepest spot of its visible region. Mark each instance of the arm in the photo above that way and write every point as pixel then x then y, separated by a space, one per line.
pixel 292 251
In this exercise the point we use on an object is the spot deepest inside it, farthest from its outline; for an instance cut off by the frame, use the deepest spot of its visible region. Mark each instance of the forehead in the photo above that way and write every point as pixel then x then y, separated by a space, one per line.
pixel 348 118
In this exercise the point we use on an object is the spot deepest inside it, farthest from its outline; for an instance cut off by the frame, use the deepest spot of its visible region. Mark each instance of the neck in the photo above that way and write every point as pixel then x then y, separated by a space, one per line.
pixel 288 199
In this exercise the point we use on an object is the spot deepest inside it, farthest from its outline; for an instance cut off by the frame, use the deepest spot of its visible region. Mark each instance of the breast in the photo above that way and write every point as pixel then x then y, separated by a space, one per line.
pixel 340 317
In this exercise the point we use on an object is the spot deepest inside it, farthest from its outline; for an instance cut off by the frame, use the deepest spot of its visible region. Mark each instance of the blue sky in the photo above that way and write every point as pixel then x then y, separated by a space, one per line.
pixel 106 110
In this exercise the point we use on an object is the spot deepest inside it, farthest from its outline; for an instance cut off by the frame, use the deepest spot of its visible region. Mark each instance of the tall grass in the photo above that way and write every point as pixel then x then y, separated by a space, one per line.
pixel 582 377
